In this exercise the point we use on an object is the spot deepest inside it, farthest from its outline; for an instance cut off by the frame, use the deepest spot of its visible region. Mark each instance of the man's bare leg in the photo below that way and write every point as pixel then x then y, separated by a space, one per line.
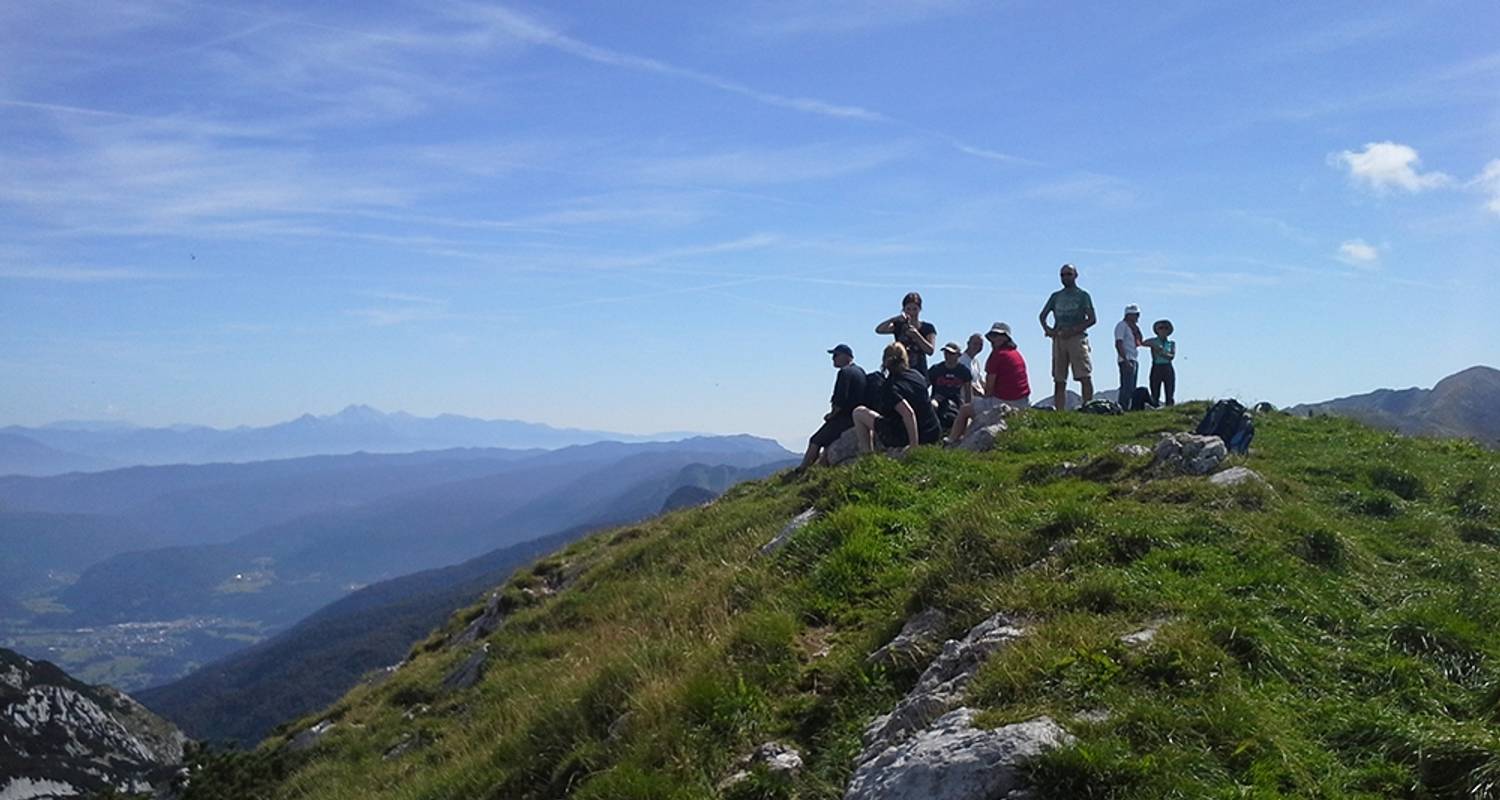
pixel 961 422
pixel 1059 395
pixel 1088 389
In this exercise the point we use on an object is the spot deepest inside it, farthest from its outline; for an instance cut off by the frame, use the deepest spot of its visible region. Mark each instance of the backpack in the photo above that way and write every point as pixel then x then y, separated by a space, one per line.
pixel 1102 406
pixel 874 389
pixel 1141 400
pixel 1230 421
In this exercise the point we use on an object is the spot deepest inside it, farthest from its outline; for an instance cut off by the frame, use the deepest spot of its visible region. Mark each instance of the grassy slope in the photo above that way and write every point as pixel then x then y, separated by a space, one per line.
pixel 1337 638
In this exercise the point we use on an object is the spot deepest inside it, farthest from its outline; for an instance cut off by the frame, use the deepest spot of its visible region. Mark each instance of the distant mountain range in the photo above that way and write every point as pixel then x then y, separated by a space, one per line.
pixel 88 446
pixel 242 697
pixel 1465 404
pixel 219 555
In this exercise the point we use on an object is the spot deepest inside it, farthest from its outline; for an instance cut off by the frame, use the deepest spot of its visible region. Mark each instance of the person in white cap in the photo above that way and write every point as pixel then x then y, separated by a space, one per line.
pixel 1004 379
pixel 1127 343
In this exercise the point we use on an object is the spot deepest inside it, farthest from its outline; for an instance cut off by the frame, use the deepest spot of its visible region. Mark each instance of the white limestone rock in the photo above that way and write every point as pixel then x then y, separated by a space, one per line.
pixel 1235 476
pixel 941 686
pixel 1188 454
pixel 954 760
pixel 797 523
pixel 919 638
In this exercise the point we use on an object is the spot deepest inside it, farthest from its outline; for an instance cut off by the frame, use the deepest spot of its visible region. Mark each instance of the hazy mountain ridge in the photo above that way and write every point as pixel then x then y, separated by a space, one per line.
pixel 367 518
pixel 1465 404
pixel 63 737
pixel 357 428
pixel 243 696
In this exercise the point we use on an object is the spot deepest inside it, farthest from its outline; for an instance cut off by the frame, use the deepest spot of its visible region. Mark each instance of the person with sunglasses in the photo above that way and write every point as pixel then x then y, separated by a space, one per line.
pixel 1072 313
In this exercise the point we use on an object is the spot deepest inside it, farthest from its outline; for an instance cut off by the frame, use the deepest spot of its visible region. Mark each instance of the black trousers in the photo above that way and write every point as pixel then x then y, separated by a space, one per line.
pixel 1163 376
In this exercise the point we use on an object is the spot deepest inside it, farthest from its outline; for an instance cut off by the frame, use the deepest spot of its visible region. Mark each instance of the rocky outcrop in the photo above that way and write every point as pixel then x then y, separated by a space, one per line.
pixel 797 523
pixel 309 738
pixel 469 671
pixel 1188 454
pixel 1235 476
pixel 941 686
pixel 1133 450
pixel 773 758
pixel 954 760
pixel 918 640
pixel 62 737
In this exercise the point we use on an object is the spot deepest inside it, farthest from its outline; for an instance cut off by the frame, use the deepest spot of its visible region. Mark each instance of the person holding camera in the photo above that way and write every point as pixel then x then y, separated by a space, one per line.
pixel 918 337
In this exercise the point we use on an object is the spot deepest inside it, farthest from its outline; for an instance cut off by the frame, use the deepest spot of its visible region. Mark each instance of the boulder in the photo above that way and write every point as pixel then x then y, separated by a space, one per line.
pixel 981 440
pixel 919 638
pixel 496 609
pixel 954 760
pixel 941 686
pixel 469 671
pixel 1234 476
pixel 777 759
pixel 843 450
pixel 309 738
pixel 797 523
pixel 1188 454
pixel 1133 450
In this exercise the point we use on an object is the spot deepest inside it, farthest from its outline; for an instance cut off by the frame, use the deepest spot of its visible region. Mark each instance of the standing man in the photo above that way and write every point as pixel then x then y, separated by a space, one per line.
pixel 1127 341
pixel 1072 315
pixel 848 393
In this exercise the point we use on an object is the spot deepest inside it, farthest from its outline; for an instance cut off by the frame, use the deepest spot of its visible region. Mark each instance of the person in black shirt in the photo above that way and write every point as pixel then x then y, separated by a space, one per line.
pixel 848 394
pixel 920 338
pixel 952 385
pixel 905 416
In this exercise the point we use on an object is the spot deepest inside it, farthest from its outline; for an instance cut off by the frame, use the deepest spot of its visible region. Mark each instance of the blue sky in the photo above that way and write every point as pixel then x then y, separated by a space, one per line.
pixel 659 216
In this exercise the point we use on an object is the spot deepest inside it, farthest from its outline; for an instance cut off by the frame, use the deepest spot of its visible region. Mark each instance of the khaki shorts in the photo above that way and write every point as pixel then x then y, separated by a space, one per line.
pixel 1074 351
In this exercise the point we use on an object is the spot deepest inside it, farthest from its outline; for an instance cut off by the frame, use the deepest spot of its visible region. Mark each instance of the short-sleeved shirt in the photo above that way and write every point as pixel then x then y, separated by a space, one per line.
pixel 1126 335
pixel 915 357
pixel 910 386
pixel 1165 344
pixel 848 390
pixel 975 369
pixel 1069 307
pixel 1009 371
pixel 948 382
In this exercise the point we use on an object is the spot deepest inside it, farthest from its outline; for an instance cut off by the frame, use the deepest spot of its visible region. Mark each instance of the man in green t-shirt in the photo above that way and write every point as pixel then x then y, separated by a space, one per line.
pixel 1072 315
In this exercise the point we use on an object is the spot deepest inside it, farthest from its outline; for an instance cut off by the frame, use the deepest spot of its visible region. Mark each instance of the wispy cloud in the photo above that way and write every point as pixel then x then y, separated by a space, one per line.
pixel 1359 253
pixel 1488 182
pixel 1383 166
pixel 779 19
pixel 764 166
pixel 535 32
pixel 77 274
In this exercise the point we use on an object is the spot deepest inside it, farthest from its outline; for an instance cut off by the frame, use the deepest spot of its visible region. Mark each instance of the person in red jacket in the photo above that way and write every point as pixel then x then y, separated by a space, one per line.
pixel 1004 381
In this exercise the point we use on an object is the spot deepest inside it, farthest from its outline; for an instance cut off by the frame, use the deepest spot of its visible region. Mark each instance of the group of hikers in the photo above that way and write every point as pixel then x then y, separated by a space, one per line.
pixel 907 402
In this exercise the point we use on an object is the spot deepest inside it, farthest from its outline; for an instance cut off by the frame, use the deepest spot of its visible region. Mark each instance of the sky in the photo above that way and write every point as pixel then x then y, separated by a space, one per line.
pixel 646 217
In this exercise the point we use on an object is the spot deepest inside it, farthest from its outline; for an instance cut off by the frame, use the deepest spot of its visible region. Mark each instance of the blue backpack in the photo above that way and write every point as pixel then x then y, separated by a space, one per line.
pixel 1230 421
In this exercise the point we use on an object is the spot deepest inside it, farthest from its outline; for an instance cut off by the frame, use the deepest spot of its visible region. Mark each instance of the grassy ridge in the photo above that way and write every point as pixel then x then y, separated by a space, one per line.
pixel 1334 635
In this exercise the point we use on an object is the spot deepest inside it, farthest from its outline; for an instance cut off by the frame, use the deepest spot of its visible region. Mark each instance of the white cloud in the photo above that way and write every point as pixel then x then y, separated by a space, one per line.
pixel 1382 166
pixel 1359 253
pixel 1489 182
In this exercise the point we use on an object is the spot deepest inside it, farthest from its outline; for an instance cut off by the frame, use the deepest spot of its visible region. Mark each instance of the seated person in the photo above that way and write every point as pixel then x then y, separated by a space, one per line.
pixel 848 393
pixel 1005 381
pixel 950 382
pixel 905 417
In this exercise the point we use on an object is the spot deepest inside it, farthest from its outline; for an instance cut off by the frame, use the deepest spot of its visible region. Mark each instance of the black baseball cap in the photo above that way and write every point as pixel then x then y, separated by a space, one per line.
pixel 842 348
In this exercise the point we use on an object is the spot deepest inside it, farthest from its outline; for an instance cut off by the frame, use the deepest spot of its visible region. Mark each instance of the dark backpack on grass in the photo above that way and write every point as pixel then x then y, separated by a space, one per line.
pixel 1141 400
pixel 1230 421
pixel 1100 405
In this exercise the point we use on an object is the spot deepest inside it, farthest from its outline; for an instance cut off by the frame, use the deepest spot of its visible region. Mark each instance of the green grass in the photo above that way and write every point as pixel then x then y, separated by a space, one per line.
pixel 1332 636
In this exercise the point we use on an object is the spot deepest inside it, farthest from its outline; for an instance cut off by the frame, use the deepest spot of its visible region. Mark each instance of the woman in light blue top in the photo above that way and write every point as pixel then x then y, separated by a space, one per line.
pixel 1163 352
